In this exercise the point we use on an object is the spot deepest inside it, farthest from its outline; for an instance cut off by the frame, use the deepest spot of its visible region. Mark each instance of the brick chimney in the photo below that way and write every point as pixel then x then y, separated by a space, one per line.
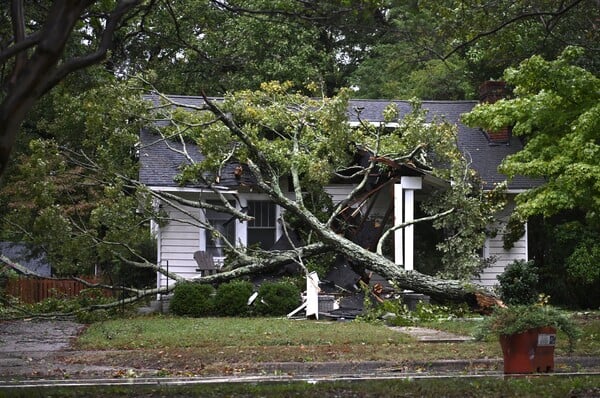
pixel 491 91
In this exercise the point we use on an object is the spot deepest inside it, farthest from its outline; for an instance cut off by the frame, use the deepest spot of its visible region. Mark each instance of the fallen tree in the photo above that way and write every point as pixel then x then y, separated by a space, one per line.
pixel 289 147
pixel 290 143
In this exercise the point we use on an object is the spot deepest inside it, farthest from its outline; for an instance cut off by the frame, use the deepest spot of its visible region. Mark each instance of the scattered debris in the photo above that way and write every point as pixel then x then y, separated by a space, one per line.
pixel 342 295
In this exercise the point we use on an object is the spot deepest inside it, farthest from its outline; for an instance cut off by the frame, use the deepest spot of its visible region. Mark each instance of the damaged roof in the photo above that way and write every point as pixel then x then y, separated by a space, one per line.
pixel 485 156
pixel 160 164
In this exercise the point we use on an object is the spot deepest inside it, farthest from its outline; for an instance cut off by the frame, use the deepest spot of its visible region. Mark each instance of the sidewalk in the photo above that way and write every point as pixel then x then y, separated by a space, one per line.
pixel 431 335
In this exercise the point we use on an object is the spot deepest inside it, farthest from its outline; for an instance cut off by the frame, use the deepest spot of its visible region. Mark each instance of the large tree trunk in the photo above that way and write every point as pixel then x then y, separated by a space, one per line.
pixel 440 289
pixel 34 75
pixel 267 181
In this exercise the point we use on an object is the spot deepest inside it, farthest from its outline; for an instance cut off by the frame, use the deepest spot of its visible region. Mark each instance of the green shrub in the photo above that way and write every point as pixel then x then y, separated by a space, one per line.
pixel 192 299
pixel 582 264
pixel 277 298
pixel 57 301
pixel 232 298
pixel 89 317
pixel 518 283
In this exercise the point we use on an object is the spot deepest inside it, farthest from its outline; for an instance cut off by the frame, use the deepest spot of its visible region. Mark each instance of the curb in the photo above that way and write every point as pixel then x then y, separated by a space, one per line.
pixel 457 366
pixel 298 370
pixel 23 385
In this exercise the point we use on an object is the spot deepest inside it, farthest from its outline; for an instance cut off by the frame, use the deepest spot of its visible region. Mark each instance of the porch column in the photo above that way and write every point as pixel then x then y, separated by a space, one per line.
pixel 398 217
pixel 404 210
pixel 241 232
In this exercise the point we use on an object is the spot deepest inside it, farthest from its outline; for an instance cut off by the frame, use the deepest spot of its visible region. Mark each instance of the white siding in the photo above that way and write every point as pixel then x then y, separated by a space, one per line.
pixel 339 192
pixel 494 248
pixel 177 242
pixel 503 258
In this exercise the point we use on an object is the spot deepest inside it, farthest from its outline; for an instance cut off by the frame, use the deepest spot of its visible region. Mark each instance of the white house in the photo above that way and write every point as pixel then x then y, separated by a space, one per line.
pixel 179 239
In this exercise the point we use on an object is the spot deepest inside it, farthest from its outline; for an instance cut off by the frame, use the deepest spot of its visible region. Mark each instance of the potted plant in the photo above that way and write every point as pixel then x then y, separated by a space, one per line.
pixel 527 335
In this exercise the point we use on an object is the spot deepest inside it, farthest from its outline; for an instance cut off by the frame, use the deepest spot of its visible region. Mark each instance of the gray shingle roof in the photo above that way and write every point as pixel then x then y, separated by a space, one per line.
pixel 485 156
pixel 159 164
pixel 28 256
pixel 160 160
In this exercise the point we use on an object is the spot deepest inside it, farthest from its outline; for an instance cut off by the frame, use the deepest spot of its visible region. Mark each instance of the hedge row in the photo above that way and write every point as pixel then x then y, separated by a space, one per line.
pixel 231 299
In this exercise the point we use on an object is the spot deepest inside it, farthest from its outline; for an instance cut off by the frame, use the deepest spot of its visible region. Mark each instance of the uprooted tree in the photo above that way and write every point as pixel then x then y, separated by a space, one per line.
pixel 291 147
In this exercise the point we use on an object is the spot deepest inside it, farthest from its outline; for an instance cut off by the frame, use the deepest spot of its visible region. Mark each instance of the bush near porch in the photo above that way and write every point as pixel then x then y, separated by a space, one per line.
pixel 231 299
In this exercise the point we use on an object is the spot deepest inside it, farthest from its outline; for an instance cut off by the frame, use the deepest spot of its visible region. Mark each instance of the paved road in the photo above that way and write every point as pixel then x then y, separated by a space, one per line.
pixel 28 347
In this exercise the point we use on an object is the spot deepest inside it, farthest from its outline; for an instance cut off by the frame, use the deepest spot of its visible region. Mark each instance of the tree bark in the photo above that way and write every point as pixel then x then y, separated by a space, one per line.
pixel 439 289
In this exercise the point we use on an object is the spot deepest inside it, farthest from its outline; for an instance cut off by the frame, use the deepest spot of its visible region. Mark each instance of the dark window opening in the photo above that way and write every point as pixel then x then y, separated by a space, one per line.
pixel 262 229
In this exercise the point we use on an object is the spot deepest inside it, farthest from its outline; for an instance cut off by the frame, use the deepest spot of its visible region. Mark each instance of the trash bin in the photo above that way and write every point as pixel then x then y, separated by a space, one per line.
pixel 530 351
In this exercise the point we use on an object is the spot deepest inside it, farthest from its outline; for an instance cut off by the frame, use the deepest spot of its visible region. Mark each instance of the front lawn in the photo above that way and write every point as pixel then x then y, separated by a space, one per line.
pixel 202 342
pixel 280 339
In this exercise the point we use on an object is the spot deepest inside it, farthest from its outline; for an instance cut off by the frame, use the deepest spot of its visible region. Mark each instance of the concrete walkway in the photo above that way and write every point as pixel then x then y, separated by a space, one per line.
pixel 27 347
pixel 431 335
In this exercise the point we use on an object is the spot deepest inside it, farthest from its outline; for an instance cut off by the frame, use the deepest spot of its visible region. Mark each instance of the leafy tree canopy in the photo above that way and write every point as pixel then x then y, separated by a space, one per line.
pixel 52 199
pixel 280 133
pixel 556 112
pixel 460 44
pixel 214 47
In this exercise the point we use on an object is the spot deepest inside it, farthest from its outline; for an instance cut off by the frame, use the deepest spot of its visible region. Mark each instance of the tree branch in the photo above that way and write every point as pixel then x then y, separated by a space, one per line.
pixel 20 268
pixel 253 264
pixel 244 138
pixel 18 20
pixel 112 23
pixel 366 173
pixel 511 21
pixel 45 67
pixel 406 224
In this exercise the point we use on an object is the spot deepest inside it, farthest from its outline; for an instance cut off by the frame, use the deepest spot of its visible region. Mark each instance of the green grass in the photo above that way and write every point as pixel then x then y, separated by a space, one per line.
pixel 235 340
pixel 216 343
pixel 161 332
pixel 583 386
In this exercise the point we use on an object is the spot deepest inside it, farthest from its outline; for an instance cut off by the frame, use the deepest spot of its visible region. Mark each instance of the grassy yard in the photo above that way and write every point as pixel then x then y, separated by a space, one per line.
pixel 272 339
pixel 230 340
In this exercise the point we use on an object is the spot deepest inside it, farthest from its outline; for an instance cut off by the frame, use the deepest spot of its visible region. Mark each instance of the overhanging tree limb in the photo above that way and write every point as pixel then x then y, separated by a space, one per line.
pixel 18 267
pixel 387 233
pixel 266 168
pixel 35 74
